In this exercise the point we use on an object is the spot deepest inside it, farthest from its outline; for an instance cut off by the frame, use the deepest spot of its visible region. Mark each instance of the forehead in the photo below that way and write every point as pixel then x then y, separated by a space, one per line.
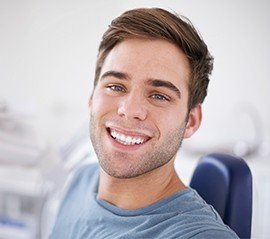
pixel 144 59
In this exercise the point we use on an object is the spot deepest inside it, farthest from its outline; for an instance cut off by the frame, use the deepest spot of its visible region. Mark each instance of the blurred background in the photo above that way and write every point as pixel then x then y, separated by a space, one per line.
pixel 47 59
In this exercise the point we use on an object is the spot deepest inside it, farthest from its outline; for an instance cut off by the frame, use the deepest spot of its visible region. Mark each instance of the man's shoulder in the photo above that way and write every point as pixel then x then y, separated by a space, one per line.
pixel 199 234
pixel 193 218
pixel 198 228
pixel 216 233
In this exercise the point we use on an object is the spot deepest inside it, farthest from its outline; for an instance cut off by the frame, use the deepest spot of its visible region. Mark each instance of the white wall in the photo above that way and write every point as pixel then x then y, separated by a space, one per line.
pixel 48 51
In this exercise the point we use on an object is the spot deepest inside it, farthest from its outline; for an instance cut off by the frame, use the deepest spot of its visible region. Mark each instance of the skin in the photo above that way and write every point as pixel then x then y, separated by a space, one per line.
pixel 142 93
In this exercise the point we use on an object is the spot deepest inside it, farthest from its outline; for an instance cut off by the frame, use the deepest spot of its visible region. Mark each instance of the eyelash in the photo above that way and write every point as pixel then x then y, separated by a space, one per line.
pixel 154 96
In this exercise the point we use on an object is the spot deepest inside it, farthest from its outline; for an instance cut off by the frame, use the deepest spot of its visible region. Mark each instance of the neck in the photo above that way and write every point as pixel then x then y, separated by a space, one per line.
pixel 141 191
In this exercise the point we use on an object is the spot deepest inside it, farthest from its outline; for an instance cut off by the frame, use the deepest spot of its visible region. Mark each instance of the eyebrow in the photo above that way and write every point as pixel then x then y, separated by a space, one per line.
pixel 166 84
pixel 116 74
pixel 152 82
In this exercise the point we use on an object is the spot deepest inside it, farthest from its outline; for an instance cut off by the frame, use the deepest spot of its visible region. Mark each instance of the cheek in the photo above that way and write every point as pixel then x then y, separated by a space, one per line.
pixel 102 104
pixel 170 121
pixel 161 120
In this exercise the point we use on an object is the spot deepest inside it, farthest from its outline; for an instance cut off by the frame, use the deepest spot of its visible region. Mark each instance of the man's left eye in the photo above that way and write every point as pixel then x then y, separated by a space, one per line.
pixel 159 97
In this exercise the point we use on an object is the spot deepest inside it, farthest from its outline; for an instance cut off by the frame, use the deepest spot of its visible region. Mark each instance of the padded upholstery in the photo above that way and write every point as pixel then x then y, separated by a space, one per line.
pixel 225 182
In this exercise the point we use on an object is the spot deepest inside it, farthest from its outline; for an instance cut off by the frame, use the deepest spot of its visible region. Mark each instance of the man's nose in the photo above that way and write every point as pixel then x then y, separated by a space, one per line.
pixel 133 106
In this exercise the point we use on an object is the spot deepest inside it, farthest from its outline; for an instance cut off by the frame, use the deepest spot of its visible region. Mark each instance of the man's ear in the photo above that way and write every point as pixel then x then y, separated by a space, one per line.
pixel 194 121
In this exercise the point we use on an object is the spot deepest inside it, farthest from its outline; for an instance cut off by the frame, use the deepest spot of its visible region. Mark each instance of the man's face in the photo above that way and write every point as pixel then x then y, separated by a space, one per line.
pixel 139 107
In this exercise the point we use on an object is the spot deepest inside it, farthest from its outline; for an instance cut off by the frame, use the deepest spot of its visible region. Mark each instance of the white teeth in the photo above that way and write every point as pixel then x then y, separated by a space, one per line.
pixel 126 140
pixel 123 138
pixel 138 141
pixel 113 134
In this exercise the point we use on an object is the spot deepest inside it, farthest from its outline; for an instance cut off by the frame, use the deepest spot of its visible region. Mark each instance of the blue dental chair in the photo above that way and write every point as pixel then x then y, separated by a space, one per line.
pixel 225 182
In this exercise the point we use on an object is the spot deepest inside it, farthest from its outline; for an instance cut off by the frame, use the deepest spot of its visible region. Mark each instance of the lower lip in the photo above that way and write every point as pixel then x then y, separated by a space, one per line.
pixel 122 146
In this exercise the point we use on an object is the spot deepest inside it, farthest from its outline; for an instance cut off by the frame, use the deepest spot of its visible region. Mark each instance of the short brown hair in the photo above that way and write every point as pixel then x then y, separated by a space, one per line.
pixel 156 23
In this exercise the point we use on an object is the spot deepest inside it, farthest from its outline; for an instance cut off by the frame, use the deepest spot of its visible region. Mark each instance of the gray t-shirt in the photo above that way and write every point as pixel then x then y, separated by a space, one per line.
pixel 83 215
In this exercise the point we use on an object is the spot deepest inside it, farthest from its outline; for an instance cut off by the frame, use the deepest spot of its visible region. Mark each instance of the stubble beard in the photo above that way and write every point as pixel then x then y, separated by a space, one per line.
pixel 149 161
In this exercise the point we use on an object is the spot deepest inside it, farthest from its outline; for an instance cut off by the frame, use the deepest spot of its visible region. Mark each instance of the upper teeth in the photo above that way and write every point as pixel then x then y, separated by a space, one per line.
pixel 126 140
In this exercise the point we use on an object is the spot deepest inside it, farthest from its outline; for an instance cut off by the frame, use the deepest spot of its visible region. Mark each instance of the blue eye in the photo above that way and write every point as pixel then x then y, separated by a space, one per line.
pixel 116 88
pixel 159 97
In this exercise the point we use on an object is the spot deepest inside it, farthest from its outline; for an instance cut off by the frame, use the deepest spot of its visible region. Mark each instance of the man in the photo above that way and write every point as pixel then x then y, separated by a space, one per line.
pixel 151 78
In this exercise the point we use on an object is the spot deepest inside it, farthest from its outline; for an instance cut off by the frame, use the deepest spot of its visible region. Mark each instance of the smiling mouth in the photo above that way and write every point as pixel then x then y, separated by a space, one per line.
pixel 126 139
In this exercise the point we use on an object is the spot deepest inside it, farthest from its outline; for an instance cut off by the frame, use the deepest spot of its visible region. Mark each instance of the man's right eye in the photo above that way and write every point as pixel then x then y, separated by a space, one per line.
pixel 115 88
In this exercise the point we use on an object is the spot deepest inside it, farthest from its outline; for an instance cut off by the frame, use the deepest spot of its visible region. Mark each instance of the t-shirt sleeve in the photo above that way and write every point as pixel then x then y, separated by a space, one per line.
pixel 221 234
